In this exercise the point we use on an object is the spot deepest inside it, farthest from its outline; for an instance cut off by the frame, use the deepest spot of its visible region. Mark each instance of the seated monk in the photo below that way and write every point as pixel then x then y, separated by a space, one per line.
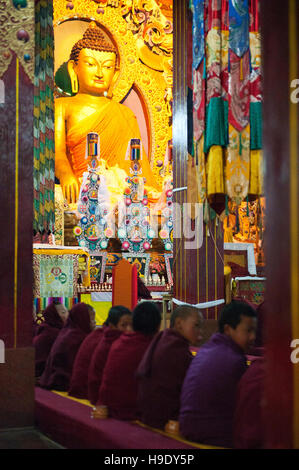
pixel 78 382
pixel 162 370
pixel 118 390
pixel 59 366
pixel 93 71
pixel 55 316
pixel 143 292
pixel 119 320
pixel 209 390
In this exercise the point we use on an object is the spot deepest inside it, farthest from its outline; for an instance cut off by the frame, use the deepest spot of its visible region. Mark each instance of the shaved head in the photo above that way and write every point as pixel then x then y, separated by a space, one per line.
pixel 187 321
pixel 184 311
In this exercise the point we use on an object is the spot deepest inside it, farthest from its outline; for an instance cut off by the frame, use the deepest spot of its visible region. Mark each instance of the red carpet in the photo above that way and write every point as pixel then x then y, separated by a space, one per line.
pixel 69 423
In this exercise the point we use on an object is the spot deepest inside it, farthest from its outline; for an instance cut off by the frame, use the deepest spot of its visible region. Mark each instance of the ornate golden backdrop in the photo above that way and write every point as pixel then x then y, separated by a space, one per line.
pixel 166 7
pixel 143 36
pixel 17 35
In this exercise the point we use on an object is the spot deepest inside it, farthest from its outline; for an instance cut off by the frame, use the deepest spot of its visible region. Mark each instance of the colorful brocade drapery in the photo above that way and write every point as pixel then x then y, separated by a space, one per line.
pixel 44 163
pixel 227 98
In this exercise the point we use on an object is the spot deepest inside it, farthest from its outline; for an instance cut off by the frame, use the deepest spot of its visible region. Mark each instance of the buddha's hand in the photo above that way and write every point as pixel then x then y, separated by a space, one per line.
pixel 70 188
pixel 99 412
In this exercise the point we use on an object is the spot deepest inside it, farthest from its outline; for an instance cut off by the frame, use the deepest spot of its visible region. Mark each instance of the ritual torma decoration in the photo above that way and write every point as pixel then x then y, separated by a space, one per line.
pixel 93 231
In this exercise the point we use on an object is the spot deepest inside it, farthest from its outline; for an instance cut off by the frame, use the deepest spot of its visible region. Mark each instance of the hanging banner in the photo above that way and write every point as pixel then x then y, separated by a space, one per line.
pixel 198 32
pixel 238 26
pixel 55 276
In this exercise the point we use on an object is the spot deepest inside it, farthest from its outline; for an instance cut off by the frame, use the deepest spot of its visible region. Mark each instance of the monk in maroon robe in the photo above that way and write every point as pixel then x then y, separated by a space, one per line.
pixel 78 382
pixel 98 362
pixel 209 390
pixel 162 370
pixel 55 316
pixel 59 366
pixel 248 427
pixel 118 391
pixel 79 379
pixel 143 292
pixel 119 320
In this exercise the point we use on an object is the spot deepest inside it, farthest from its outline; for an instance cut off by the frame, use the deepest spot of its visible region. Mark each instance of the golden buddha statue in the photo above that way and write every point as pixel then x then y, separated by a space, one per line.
pixel 93 69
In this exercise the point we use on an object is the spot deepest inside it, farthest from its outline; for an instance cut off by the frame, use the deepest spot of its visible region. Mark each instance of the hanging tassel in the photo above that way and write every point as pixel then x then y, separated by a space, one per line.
pixel 237 220
pixel 247 208
pixel 192 154
pixel 212 214
pixel 219 231
pixel 250 65
pixel 206 212
pixel 226 205
pixel 240 145
pixel 241 69
pixel 204 73
pixel 226 210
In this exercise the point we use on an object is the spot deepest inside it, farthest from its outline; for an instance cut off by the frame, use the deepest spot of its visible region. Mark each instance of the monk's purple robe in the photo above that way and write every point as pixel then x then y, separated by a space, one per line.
pixel 209 391
pixel 161 374
pixel 59 366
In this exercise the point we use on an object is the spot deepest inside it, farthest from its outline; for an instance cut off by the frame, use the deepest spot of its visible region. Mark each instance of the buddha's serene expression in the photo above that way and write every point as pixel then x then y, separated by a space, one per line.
pixel 95 71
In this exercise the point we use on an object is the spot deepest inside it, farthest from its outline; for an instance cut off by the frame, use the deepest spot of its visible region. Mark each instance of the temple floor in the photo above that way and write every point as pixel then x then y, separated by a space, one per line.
pixel 26 438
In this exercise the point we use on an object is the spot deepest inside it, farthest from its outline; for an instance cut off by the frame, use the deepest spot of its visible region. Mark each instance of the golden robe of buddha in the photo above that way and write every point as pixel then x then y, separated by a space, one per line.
pixel 93 71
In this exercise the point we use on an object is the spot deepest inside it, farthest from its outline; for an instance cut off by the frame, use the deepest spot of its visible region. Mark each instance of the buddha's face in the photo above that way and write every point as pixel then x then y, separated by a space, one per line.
pixel 95 71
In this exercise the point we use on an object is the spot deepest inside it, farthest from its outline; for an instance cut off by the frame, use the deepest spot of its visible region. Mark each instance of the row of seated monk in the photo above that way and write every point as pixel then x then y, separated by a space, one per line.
pixel 129 370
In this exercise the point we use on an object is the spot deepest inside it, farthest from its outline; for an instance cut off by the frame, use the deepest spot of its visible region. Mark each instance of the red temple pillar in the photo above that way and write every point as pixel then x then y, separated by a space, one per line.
pixel 16 150
pixel 281 146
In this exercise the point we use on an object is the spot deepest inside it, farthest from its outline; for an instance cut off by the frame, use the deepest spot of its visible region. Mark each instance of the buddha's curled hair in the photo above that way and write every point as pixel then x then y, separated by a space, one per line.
pixel 94 39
